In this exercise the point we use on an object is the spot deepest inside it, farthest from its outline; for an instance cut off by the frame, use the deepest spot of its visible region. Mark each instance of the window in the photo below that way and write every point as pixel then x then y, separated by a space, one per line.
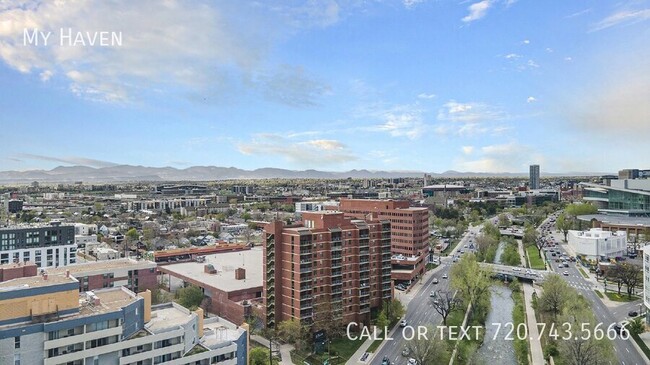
pixel 17 342
pixel 17 359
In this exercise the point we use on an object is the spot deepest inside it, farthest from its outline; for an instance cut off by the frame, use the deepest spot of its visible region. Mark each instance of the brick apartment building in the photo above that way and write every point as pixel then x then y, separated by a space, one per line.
pixel 328 263
pixel 409 232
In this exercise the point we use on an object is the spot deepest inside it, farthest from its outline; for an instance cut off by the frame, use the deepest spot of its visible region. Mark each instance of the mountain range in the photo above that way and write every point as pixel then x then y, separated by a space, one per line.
pixel 129 173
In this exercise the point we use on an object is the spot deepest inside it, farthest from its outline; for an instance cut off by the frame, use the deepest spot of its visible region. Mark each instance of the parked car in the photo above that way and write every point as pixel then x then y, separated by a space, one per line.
pixel 444 276
pixel 435 280
pixel 633 314
pixel 403 323
pixel 566 273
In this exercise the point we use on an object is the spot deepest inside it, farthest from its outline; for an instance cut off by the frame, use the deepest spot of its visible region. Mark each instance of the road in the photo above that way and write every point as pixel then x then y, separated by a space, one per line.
pixel 625 352
pixel 420 311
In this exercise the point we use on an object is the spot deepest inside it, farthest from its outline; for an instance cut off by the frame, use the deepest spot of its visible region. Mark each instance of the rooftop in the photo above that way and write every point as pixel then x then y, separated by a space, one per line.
pixel 35 282
pixel 217 330
pixel 168 316
pixel 617 219
pixel 110 300
pixel 225 263
pixel 102 266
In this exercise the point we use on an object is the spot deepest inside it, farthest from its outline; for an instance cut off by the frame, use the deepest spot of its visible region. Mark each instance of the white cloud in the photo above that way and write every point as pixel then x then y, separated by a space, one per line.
pixel 532 64
pixel 510 157
pixel 405 124
pixel 568 59
pixel 411 3
pixel 549 50
pixel 191 47
pixel 467 149
pixel 512 56
pixel 525 41
pixel 531 99
pixel 426 96
pixel 70 160
pixel 477 11
pixel 623 17
pixel 304 153
pixel 510 2
pixel 468 112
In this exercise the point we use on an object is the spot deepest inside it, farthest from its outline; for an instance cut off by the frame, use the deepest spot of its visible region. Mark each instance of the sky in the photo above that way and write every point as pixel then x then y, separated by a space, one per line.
pixel 399 85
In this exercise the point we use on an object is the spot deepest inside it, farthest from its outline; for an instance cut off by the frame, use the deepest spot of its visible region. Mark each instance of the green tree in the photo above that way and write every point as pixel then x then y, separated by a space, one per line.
pixel 260 356
pixel 555 296
pixel 394 310
pixel 293 332
pixel 428 349
pixel 471 280
pixel 246 216
pixel 563 224
pixel 636 326
pixel 584 350
pixel 382 320
pixel 190 297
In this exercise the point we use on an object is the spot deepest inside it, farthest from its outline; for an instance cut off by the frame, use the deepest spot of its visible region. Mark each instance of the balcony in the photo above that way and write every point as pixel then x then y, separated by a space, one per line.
pixel 337 264
pixel 306 314
pixel 337 246
pixel 304 253
pixel 305 278
pixel 337 282
pixel 305 287
pixel 305 270
pixel 306 297
pixel 336 272
pixel 336 298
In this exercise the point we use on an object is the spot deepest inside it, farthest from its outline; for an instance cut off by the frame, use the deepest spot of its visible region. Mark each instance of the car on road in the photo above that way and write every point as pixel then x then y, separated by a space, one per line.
pixel 403 323
pixel 433 294
pixel 406 352
pixel 385 361
pixel 633 313
pixel 566 273
pixel 528 272
pixel 435 280
pixel 465 246
pixel 436 302
pixel 553 254
pixel 412 361
pixel 444 276
pixel 516 269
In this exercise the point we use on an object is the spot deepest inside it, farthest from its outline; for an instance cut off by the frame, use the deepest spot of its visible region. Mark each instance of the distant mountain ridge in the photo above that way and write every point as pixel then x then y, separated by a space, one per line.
pixel 130 173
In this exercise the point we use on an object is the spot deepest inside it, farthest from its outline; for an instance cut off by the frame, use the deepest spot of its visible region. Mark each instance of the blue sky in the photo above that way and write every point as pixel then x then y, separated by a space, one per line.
pixel 484 86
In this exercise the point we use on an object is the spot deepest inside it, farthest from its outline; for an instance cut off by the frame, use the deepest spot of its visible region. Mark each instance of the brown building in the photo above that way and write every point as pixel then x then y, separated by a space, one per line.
pixel 327 267
pixel 409 232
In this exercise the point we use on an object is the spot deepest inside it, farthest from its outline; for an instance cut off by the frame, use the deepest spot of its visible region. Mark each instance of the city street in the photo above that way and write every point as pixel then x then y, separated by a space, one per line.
pixel 420 311
pixel 625 351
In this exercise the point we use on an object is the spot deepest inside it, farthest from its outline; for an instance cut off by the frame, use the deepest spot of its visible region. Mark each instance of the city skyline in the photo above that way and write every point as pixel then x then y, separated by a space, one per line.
pixel 480 86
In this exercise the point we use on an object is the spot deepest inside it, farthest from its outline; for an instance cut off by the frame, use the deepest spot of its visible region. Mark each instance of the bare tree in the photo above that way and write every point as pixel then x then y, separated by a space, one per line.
pixel 446 302
pixel 427 349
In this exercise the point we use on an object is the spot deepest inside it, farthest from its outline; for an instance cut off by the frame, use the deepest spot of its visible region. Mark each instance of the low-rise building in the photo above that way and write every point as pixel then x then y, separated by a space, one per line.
pixel 46 321
pixel 135 275
pixel 596 244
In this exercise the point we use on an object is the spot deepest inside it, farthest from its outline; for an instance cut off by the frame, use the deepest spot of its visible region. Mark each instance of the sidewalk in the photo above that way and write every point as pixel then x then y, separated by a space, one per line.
pixel 285 350
pixel 536 352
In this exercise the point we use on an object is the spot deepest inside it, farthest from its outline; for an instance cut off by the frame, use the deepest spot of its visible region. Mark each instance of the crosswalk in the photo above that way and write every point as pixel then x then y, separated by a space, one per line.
pixel 580 285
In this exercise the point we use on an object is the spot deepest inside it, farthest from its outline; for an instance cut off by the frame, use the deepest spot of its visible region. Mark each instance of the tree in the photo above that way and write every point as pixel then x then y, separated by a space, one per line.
pixel 584 350
pixel 190 297
pixel 471 280
pixel 328 317
pixel 132 235
pixel 636 326
pixel 555 296
pixel 504 221
pixel 394 310
pixel 446 302
pixel 563 224
pixel 631 275
pixel 260 356
pixel 246 216
pixel 382 320
pixel 293 332
pixel 427 349
pixel 531 238
pixel 615 274
pixel 576 209
pixel 483 244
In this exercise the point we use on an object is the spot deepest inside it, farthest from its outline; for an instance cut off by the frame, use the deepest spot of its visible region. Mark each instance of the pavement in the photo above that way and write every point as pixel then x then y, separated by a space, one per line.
pixel 536 352
pixel 285 350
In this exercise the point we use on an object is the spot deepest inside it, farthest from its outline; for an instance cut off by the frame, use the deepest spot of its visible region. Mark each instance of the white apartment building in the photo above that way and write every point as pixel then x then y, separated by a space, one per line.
pixel 646 281
pixel 597 244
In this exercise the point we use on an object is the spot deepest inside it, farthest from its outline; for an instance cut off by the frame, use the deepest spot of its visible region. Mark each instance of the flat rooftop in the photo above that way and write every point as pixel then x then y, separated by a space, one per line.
pixel 225 263
pixel 102 266
pixel 217 331
pixel 170 316
pixel 110 300
pixel 617 219
pixel 35 282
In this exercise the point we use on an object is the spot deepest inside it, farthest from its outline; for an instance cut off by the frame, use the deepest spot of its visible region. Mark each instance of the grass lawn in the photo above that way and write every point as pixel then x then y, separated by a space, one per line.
pixel 612 295
pixel 533 257
pixel 582 271
pixel 375 344
pixel 342 350
pixel 599 293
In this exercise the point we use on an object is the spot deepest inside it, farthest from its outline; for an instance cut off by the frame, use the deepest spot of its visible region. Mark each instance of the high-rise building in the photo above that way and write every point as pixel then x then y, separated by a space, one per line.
pixel 628 174
pixel 534 177
pixel 44 320
pixel 409 232
pixel 327 267
pixel 46 245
